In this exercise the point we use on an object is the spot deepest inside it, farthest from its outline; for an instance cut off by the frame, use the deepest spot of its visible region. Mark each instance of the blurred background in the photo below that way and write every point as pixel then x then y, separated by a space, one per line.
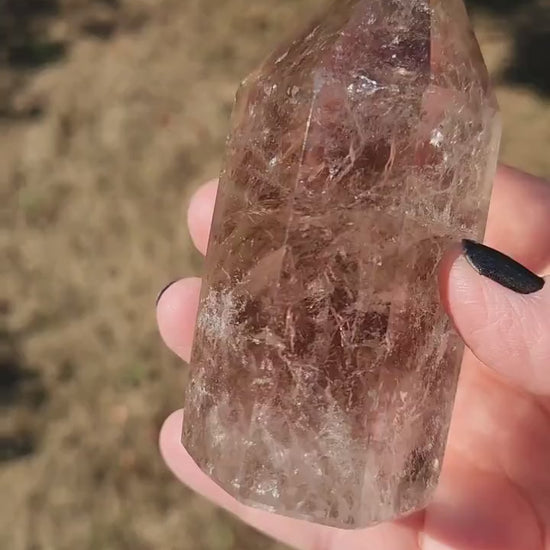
pixel 111 113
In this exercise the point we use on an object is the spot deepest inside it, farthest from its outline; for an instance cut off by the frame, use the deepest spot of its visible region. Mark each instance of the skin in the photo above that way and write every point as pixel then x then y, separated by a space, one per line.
pixel 494 492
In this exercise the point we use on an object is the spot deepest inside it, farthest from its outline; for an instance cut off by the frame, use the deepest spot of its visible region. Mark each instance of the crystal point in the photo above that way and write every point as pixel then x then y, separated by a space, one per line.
pixel 323 369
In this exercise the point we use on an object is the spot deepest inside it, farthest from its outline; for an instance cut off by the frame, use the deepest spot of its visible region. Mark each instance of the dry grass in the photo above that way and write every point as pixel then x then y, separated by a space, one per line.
pixel 99 152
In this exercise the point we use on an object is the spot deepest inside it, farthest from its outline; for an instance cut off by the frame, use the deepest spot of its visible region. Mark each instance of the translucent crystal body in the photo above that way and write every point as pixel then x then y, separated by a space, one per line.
pixel 324 371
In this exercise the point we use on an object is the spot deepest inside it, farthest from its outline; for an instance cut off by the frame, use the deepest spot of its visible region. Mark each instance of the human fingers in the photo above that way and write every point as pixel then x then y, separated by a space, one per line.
pixel 176 314
pixel 502 311
pixel 177 304
pixel 519 222
pixel 299 534
pixel 200 212
pixel 519 218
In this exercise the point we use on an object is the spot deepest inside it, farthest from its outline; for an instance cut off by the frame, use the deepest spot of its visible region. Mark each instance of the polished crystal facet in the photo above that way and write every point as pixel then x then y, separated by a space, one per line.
pixel 324 371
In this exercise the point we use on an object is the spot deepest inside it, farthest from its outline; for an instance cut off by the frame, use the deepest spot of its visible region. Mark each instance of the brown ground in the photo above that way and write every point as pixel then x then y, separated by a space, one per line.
pixel 111 112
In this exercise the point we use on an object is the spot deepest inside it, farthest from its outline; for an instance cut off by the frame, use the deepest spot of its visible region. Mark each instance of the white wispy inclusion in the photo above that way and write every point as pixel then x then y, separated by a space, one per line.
pixel 323 370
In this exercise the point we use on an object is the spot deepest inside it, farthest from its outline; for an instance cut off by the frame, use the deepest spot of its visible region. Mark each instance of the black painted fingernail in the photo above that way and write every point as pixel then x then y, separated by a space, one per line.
pixel 164 290
pixel 501 268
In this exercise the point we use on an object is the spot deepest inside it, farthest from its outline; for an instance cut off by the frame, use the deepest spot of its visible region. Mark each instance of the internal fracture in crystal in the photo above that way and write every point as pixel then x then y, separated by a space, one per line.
pixel 324 371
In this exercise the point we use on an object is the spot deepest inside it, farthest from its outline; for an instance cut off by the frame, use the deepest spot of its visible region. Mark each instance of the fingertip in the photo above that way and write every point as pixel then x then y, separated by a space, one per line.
pixel 299 533
pixel 182 465
pixel 509 175
pixel 169 440
pixel 200 213
pixel 178 459
pixel 505 329
pixel 176 315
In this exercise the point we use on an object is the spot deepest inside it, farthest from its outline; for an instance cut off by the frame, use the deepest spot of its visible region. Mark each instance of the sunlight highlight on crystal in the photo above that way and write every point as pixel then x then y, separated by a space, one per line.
pixel 324 370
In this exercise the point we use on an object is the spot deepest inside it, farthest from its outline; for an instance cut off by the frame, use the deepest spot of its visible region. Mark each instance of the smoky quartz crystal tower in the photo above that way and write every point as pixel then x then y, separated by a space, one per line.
pixel 324 370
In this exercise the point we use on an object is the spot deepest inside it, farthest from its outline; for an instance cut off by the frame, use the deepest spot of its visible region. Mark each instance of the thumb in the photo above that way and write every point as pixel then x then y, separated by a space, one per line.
pixel 502 311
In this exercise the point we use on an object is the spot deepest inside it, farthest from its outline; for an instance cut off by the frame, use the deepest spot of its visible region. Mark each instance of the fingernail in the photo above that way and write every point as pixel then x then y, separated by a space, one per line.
pixel 501 268
pixel 164 290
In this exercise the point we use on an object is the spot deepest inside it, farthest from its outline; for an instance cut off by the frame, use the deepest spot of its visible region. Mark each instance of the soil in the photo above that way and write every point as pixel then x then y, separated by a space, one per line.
pixel 111 113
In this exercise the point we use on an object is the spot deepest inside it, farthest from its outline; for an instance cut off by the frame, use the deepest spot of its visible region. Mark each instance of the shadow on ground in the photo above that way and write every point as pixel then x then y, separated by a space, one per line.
pixel 529 21
pixel 25 45
pixel 22 395
pixel 27 42
pixel 529 64
pixel 23 40
pixel 500 6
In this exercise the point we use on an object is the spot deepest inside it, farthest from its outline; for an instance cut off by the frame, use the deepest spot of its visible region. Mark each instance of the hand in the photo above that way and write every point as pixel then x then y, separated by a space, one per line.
pixel 494 492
